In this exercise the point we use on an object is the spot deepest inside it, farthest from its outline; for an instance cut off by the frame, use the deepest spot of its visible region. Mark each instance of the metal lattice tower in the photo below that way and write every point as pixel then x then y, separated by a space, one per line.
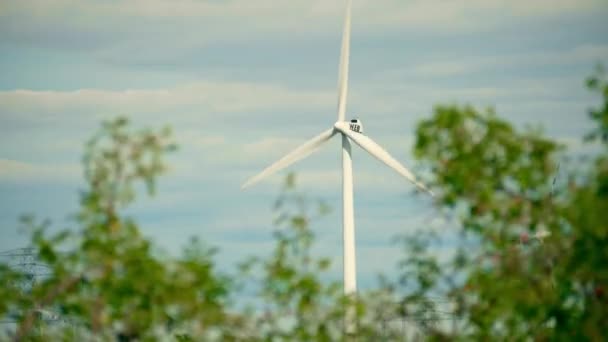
pixel 26 261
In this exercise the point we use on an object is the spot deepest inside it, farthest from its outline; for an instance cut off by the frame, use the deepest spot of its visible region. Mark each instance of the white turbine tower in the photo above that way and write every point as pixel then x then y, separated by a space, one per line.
pixel 352 130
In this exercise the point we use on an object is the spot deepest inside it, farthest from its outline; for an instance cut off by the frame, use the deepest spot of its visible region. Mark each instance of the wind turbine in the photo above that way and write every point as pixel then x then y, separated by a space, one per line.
pixel 349 131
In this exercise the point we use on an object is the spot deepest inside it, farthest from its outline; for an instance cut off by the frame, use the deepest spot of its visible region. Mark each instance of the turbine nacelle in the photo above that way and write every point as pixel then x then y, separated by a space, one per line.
pixel 355 125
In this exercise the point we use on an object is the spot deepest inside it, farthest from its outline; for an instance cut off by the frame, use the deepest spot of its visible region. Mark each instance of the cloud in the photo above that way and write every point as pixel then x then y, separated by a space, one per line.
pixel 108 25
pixel 270 145
pixel 18 171
pixel 206 98
pixel 215 132
pixel 451 66
pixel 270 12
pixel 547 7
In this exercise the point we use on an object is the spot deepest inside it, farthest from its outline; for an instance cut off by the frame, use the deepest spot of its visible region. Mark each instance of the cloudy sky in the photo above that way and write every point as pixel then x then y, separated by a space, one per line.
pixel 244 81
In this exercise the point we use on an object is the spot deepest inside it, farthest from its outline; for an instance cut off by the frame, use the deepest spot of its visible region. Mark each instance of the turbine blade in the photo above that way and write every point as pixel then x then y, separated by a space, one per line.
pixel 344 61
pixel 377 151
pixel 299 153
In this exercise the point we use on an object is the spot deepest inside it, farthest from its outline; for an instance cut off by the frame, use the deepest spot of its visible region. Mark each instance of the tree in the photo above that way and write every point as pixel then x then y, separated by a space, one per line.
pixel 106 281
pixel 499 183
pixel 294 302
pixel 105 278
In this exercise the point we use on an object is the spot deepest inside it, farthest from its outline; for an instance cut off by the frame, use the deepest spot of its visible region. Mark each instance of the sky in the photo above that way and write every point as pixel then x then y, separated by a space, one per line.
pixel 244 81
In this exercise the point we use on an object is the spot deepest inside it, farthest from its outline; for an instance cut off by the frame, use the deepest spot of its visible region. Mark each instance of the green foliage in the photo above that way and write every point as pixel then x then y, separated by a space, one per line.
pixel 481 160
pixel 599 84
pixel 108 282
pixel 296 303
pixel 104 276
pixel 497 181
